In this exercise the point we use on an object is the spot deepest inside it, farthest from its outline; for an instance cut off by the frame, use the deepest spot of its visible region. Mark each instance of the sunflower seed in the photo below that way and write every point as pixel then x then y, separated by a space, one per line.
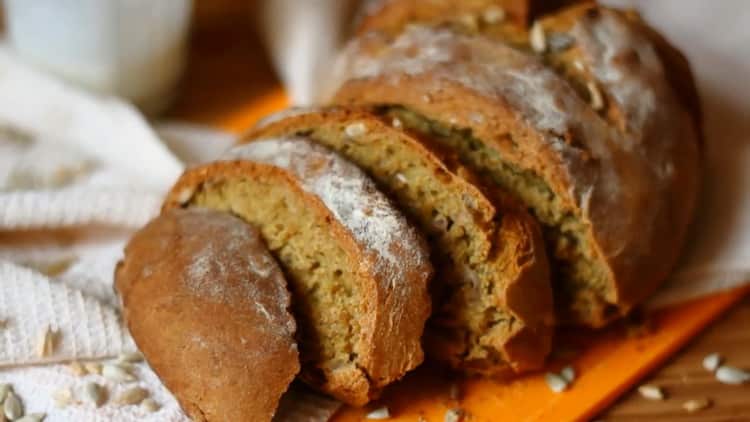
pixel 133 357
pixel 470 21
pixel 569 373
pixel 693 406
pixel 537 38
pixel 93 368
pixel 4 390
pixel 597 101
pixel 493 15
pixel 731 375
pixel 380 413
pixel 133 395
pixel 651 392
pixel 118 373
pixel 711 362
pixel 454 415
pixel 12 407
pixel 95 394
pixel 355 129
pixel 77 368
pixel 47 342
pixel 150 405
pixel 63 397
pixel 184 195
pixel 34 417
pixel 555 382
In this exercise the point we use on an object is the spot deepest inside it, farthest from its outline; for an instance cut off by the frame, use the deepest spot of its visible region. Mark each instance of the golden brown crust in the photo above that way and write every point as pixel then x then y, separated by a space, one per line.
pixel 208 307
pixel 391 16
pixel 389 330
pixel 628 169
pixel 527 294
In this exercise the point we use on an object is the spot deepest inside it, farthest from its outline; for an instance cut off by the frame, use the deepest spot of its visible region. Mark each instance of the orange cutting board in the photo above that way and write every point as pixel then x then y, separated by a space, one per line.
pixel 231 87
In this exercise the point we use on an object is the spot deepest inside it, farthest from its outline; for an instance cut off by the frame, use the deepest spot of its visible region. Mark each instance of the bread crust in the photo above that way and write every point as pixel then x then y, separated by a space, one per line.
pixel 630 170
pixel 527 296
pixel 208 307
pixel 392 16
pixel 390 331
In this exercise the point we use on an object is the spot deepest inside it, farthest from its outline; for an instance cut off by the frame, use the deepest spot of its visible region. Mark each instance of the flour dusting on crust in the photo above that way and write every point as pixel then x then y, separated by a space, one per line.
pixel 394 246
pixel 230 264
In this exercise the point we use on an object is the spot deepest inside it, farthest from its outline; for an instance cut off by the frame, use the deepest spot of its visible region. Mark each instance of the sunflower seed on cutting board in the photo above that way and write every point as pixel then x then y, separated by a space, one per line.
pixel 651 392
pixel 711 362
pixel 117 373
pixel 380 413
pixel 692 406
pixel 12 407
pixel 568 373
pixel 454 415
pixel 555 382
pixel 733 376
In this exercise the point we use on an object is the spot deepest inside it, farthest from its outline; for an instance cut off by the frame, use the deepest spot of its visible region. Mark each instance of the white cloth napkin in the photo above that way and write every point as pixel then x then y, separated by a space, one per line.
pixel 78 173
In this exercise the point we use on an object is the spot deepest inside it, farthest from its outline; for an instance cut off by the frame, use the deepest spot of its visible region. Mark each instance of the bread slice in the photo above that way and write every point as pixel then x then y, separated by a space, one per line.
pixel 493 309
pixel 357 270
pixel 611 173
pixel 208 306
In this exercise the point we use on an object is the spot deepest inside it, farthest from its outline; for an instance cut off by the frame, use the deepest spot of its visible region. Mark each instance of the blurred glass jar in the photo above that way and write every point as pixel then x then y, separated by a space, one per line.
pixel 135 49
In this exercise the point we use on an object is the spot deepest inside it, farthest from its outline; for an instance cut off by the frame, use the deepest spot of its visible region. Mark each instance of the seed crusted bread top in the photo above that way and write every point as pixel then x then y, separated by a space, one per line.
pixel 392 16
pixel 634 183
pixel 208 306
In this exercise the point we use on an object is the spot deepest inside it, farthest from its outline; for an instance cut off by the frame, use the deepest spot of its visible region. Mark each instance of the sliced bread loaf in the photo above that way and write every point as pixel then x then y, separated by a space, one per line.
pixel 611 173
pixel 492 310
pixel 357 271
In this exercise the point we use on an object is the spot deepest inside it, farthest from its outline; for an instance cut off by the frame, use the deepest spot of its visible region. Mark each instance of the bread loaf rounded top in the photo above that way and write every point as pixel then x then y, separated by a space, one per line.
pixel 208 307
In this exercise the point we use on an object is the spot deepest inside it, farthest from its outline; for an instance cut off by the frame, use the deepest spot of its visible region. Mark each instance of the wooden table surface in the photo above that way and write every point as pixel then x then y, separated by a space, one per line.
pixel 225 41
pixel 684 378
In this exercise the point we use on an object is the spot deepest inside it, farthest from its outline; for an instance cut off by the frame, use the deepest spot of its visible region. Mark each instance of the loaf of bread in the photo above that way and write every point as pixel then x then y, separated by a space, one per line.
pixel 358 272
pixel 492 310
pixel 208 306
pixel 581 123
